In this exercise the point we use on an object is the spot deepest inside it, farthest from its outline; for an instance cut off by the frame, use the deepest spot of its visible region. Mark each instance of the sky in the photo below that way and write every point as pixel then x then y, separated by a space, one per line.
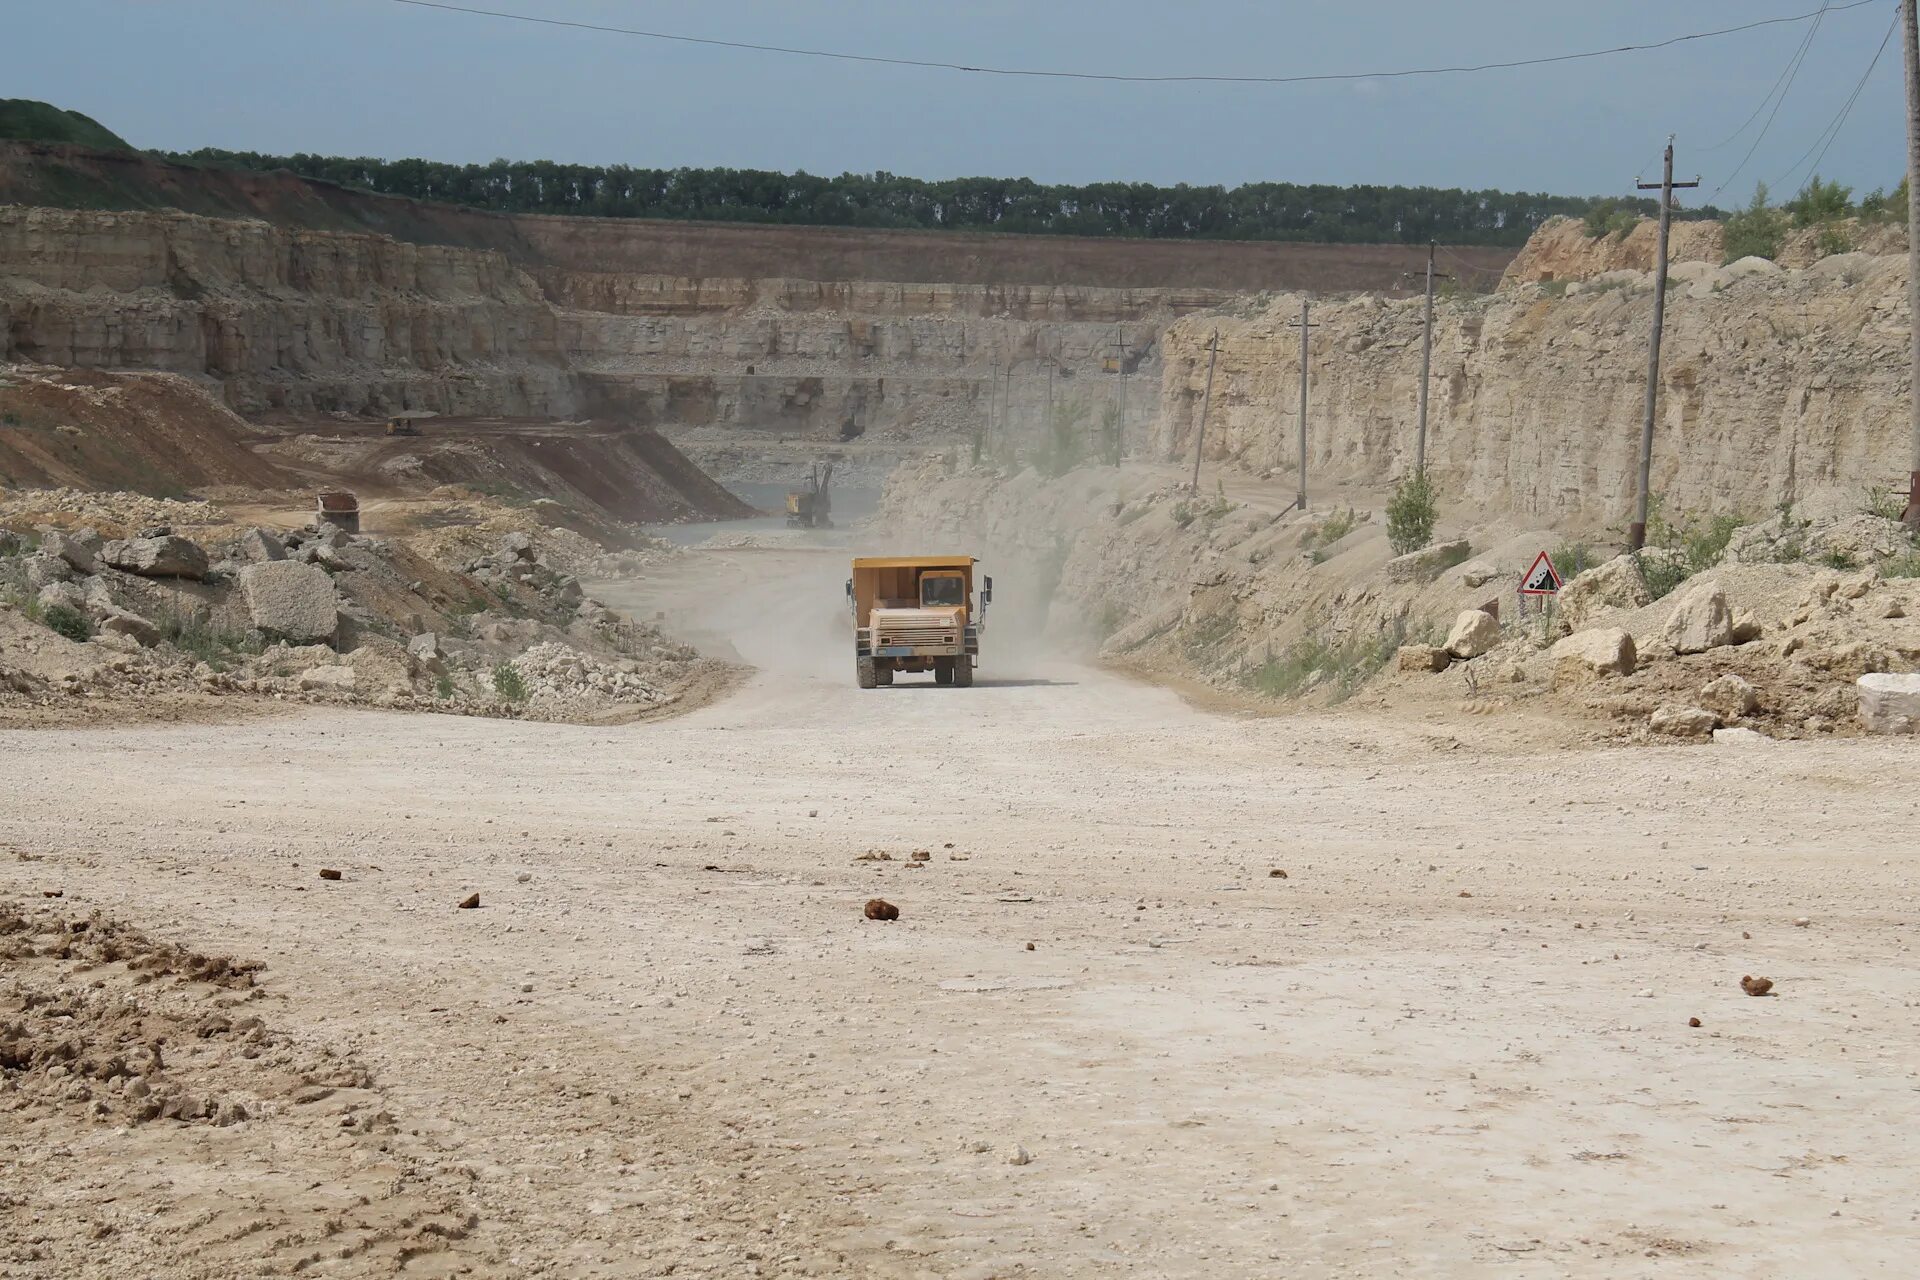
pixel 382 78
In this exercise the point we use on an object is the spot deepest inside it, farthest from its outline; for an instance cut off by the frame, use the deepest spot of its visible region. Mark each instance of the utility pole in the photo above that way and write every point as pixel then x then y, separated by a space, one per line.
pixel 1304 324
pixel 1206 399
pixel 1910 53
pixel 1637 531
pixel 1426 366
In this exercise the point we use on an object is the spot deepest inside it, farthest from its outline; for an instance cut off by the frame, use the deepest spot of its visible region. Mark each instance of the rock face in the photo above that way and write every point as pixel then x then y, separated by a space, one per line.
pixel 1427 563
pixel 1474 633
pixel 1584 655
pixel 1890 703
pixel 1731 696
pixel 1701 621
pixel 291 601
pixel 165 556
pixel 1529 389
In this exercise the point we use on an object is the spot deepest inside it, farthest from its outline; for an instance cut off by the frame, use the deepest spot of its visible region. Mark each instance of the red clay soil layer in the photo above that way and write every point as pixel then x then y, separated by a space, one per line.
pixel 65 176
pixel 149 433
pixel 607 469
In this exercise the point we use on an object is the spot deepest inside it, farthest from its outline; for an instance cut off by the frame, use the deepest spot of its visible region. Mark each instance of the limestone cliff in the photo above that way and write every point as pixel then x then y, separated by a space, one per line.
pixel 1774 382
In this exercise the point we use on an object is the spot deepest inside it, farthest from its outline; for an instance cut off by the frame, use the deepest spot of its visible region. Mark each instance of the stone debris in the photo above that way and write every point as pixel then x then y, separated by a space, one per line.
pixel 1424 658
pixel 1756 986
pixel 1019 1155
pixel 1618 584
pixel 881 909
pixel 329 873
pixel 470 902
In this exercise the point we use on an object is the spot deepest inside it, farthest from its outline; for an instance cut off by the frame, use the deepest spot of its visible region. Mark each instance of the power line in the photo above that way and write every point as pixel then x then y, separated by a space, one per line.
pixel 1134 79
pixel 1793 73
pixel 1832 131
pixel 1786 72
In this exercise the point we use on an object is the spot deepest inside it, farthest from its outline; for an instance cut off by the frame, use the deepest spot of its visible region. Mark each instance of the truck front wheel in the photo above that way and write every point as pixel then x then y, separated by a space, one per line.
pixel 864 673
pixel 963 672
pixel 943 670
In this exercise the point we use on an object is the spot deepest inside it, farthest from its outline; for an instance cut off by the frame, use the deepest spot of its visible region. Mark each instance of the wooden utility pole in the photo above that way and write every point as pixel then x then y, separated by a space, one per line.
pixel 1910 54
pixel 1206 399
pixel 1426 367
pixel 1637 531
pixel 1304 324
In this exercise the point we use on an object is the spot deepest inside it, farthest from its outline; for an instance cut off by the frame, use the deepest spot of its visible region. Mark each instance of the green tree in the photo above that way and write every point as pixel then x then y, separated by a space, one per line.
pixel 1412 513
pixel 1756 231
pixel 1820 202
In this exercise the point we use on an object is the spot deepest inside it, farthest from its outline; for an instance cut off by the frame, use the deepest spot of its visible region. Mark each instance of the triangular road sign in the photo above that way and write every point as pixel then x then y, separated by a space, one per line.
pixel 1542 579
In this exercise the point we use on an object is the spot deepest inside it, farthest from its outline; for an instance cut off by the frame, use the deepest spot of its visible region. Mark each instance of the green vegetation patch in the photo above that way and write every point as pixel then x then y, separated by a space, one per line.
pixel 26 120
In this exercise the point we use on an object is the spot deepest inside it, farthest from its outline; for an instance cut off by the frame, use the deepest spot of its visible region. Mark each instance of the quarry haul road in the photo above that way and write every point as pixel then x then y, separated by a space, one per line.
pixel 1452 1041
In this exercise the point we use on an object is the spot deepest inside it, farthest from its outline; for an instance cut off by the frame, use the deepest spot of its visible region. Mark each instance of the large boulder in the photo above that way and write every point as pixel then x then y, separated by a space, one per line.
pixel 383 669
pixel 1683 722
pixel 1701 621
pixel 1617 584
pixel 62 594
pixel 165 556
pixel 42 569
pixel 119 622
pixel 259 546
pixel 77 554
pixel 1596 652
pixel 1426 658
pixel 290 601
pixel 1889 703
pixel 339 680
pixel 1731 696
pixel 1474 632
pixel 1428 563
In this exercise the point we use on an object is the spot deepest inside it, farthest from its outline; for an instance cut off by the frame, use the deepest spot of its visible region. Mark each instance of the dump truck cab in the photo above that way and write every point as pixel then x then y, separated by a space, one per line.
pixel 916 613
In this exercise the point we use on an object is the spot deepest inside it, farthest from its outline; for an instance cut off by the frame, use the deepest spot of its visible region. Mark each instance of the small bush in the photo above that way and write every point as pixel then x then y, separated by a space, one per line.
pixel 443 687
pixel 68 621
pixel 1692 545
pixel 1906 566
pixel 1337 526
pixel 1065 444
pixel 1572 558
pixel 1885 502
pixel 1884 206
pixel 195 635
pixel 1820 202
pixel 1755 231
pixel 1347 664
pixel 508 683
pixel 1832 239
pixel 1609 218
pixel 1411 514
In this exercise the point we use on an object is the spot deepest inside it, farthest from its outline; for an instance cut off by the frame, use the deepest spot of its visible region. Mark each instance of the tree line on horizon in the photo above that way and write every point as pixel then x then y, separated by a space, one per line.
pixel 1252 211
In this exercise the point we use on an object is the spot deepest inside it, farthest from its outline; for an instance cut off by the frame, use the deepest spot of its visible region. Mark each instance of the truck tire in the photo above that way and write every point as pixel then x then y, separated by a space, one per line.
pixel 963 672
pixel 943 670
pixel 886 676
pixel 864 673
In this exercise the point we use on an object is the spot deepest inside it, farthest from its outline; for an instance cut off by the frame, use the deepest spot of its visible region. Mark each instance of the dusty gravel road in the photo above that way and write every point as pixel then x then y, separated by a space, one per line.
pixel 1453 1040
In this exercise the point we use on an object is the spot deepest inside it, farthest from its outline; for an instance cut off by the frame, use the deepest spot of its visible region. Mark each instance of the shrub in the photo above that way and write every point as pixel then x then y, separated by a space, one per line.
pixel 1065 445
pixel 1347 664
pixel 194 634
pixel 443 687
pixel 1884 206
pixel 1411 514
pixel 1832 239
pixel 1906 566
pixel 1337 526
pixel 508 683
pixel 1755 231
pixel 1820 202
pixel 1692 545
pixel 68 621
pixel 1609 218
pixel 1885 501
pixel 1571 558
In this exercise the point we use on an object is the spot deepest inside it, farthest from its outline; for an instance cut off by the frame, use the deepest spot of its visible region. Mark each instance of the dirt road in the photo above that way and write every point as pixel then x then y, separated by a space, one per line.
pixel 1453 1040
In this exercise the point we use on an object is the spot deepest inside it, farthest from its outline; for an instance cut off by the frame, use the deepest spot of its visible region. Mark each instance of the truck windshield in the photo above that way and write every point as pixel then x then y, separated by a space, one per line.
pixel 942 591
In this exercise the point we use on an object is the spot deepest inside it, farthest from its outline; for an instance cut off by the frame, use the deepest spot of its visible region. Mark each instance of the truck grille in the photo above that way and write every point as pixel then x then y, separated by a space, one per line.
pixel 890 637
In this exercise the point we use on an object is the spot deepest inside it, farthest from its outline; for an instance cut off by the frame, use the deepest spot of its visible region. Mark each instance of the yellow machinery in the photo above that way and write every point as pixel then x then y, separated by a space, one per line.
pixel 916 613
pixel 812 507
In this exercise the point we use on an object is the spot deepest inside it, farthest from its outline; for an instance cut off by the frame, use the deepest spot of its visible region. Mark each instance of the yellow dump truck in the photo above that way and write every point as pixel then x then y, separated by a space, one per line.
pixel 916 613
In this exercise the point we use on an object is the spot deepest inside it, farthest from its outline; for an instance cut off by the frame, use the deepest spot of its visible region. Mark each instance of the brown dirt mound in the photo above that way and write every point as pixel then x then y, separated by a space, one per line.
pixel 151 433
